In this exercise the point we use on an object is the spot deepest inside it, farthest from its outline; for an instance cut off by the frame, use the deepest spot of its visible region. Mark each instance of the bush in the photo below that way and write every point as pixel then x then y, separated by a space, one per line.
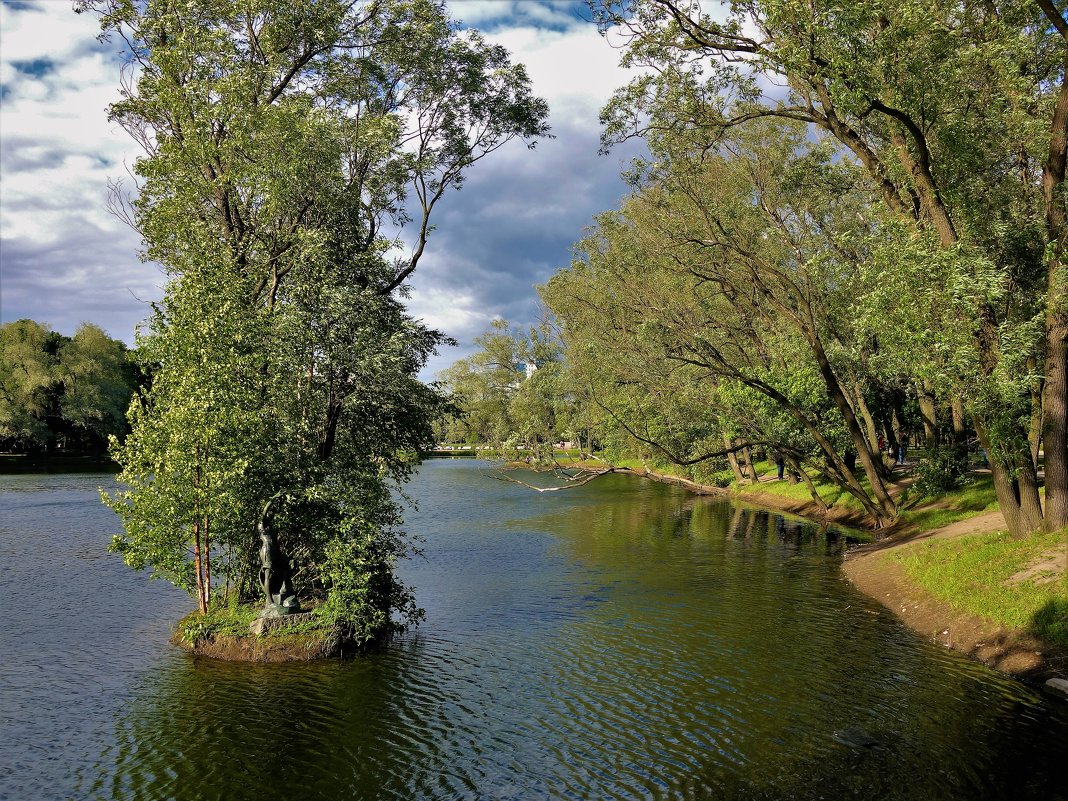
pixel 941 470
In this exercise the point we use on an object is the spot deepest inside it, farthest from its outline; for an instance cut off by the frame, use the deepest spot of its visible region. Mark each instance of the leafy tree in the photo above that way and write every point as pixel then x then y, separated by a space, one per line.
pixel 731 267
pixel 97 383
pixel 59 391
pixel 27 379
pixel 282 142
pixel 958 113
pixel 510 392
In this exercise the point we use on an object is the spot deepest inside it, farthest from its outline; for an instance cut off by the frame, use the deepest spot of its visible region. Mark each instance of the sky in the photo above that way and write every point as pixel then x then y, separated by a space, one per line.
pixel 65 259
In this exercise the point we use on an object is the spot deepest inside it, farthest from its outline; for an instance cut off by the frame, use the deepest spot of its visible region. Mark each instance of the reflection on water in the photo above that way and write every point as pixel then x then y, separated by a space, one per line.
pixel 620 640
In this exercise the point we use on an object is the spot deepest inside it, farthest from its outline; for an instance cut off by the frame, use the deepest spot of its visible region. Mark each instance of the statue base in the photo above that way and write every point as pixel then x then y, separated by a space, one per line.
pixel 281 607
pixel 270 619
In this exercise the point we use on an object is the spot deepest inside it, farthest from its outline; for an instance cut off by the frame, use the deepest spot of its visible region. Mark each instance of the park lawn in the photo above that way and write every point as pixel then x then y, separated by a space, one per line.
pixel 974 498
pixel 975 574
pixel 831 494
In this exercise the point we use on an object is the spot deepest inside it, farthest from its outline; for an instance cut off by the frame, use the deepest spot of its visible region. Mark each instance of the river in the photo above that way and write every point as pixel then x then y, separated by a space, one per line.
pixel 624 639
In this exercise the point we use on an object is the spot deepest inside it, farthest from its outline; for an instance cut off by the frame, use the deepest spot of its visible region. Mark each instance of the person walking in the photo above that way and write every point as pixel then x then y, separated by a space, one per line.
pixel 780 463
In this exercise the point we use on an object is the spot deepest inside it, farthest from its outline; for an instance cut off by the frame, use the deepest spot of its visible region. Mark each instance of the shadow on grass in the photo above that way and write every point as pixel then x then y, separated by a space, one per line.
pixel 1050 623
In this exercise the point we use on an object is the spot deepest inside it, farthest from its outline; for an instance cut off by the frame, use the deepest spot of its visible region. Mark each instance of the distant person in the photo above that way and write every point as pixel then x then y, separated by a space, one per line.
pixel 850 459
pixel 902 447
pixel 882 443
pixel 780 464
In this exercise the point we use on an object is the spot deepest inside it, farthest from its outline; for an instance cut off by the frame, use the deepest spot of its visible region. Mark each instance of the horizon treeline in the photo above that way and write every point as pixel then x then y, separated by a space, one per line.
pixel 850 225
pixel 63 394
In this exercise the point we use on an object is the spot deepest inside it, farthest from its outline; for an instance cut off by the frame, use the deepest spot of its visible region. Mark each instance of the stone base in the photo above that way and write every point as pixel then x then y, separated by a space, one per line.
pixel 271 619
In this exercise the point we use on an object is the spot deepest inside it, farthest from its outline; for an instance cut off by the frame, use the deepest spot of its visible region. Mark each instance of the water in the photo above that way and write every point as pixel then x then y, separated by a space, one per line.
pixel 620 640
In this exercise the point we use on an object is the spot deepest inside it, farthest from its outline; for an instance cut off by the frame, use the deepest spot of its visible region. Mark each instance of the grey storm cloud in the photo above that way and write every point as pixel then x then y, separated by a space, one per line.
pixel 513 225
pixel 64 260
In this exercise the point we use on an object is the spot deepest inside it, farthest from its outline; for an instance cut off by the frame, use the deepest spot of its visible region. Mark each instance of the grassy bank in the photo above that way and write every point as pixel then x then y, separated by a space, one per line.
pixel 224 633
pixel 951 548
pixel 1017 583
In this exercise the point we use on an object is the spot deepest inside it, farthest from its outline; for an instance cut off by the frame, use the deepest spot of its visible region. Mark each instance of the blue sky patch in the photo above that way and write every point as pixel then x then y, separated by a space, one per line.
pixel 38 68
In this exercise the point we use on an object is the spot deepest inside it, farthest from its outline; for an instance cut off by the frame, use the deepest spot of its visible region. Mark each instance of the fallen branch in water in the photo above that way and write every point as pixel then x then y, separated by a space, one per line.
pixel 577 480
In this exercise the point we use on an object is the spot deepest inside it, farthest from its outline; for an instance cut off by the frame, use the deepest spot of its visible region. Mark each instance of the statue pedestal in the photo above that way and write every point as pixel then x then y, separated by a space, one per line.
pixel 270 619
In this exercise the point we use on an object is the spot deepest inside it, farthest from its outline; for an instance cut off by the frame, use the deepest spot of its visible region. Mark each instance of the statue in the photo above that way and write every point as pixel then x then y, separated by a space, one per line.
pixel 276 571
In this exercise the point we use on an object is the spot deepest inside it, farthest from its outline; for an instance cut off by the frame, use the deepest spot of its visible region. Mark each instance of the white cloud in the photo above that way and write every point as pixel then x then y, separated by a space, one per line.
pixel 65 259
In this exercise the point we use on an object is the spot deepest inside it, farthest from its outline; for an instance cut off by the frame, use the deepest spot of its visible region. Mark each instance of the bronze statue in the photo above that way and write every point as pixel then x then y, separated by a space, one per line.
pixel 276 571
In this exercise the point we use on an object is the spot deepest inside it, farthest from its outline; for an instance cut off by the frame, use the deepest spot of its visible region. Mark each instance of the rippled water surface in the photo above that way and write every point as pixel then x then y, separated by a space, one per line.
pixel 619 640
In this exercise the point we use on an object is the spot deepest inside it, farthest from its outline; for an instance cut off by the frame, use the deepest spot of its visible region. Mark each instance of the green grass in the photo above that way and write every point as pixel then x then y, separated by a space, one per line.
pixel 234 621
pixel 973 499
pixel 971 573
pixel 831 494
pixel 220 619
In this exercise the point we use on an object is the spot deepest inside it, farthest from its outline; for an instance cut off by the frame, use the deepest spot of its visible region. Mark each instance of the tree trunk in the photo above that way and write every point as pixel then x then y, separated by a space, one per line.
pixel 202 604
pixel 207 564
pixel 198 565
pixel 1055 392
pixel 733 460
pixel 928 413
pixel 1055 427
pixel 871 433
pixel 834 389
pixel 750 468
pixel 816 499
pixel 1034 434
pixel 1015 487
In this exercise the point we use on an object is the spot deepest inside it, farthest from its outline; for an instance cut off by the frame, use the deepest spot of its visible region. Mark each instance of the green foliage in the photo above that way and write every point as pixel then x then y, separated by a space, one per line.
pixel 233 621
pixel 281 141
pixel 62 392
pixel 940 470
pixel 947 280
pixel 510 394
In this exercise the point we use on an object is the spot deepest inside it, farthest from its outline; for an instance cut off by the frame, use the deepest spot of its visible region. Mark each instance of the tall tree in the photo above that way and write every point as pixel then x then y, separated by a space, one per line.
pixel 286 145
pixel 956 110
pixel 27 380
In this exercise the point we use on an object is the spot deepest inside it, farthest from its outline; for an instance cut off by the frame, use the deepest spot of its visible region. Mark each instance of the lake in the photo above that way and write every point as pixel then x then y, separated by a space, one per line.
pixel 624 639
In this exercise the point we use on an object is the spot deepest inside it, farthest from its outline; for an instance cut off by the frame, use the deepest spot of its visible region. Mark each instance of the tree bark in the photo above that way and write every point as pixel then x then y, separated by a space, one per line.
pixel 1055 391
pixel 928 413
pixel 1016 488
pixel 207 563
pixel 732 460
pixel 202 604
pixel 834 389
pixel 1054 433
pixel 816 499
pixel 750 468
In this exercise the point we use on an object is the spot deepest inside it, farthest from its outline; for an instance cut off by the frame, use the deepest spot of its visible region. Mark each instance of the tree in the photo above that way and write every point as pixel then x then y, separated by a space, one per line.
pixel 971 164
pixel 509 392
pixel 285 147
pixel 737 268
pixel 97 383
pixel 68 393
pixel 27 380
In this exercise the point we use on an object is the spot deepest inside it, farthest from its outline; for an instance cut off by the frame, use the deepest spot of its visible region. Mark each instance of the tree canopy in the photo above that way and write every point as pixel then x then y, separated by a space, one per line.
pixel 288 149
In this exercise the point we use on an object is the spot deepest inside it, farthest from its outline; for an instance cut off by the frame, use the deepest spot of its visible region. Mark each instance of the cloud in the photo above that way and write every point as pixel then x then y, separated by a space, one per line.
pixel 519 213
pixel 65 259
